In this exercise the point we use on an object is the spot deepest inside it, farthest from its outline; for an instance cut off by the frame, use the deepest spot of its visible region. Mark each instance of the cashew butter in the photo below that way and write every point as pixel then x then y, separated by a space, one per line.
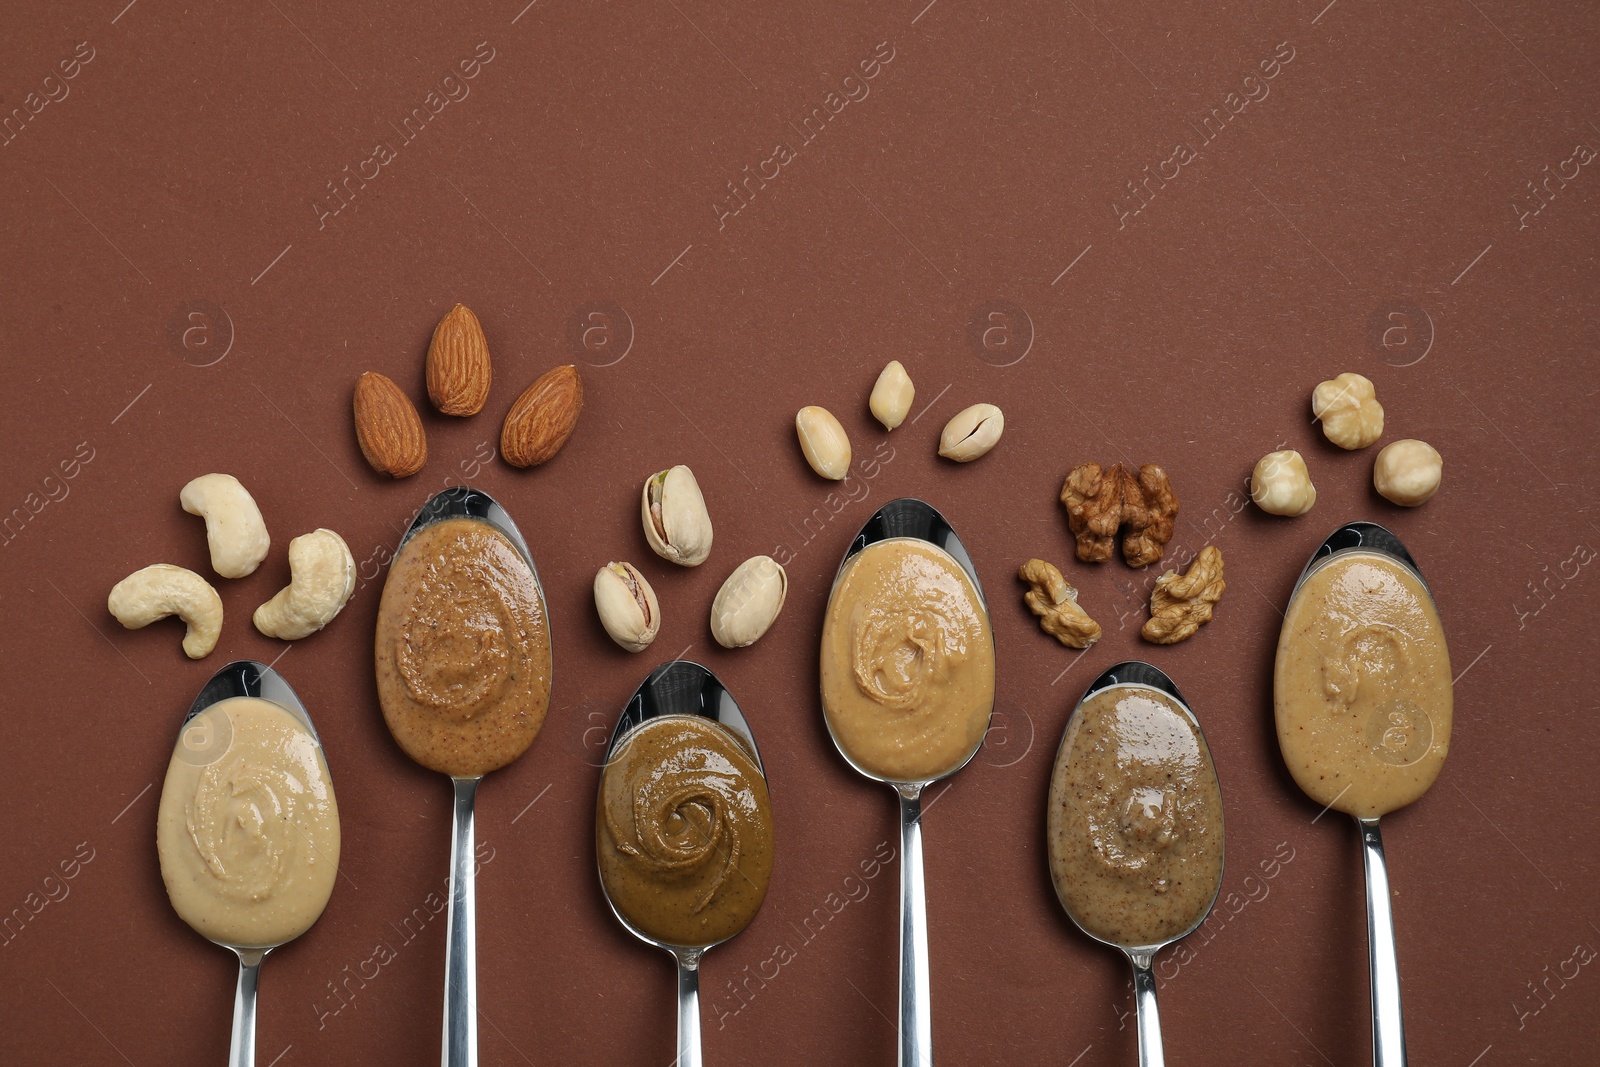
pixel 248 829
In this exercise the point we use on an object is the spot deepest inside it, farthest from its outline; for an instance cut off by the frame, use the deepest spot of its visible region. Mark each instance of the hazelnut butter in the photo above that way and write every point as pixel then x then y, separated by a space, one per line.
pixel 1134 828
pixel 462 649
pixel 683 831
pixel 907 662
pixel 248 829
pixel 1362 686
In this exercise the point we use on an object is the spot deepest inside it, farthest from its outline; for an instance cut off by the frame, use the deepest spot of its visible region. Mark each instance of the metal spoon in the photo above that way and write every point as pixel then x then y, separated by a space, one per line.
pixel 247 678
pixel 460 1035
pixel 1138 675
pixel 917 519
pixel 1388 1021
pixel 681 688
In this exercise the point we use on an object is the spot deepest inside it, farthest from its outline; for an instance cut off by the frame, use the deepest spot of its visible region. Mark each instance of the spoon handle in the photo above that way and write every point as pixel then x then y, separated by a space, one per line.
pixel 461 938
pixel 1388 1024
pixel 688 1009
pixel 242 1050
pixel 1149 1016
pixel 916 1009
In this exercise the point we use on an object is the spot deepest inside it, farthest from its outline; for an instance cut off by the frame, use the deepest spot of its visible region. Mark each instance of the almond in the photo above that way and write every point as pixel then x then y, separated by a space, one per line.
pixel 388 427
pixel 458 364
pixel 543 417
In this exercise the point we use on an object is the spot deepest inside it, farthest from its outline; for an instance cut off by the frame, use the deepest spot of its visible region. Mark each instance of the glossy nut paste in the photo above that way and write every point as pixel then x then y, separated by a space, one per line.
pixel 907 662
pixel 462 649
pixel 683 831
pixel 248 829
pixel 1362 686
pixel 1134 829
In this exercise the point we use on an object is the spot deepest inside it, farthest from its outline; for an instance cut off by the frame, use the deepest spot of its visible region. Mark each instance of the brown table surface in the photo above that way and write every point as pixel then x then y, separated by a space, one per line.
pixel 1408 196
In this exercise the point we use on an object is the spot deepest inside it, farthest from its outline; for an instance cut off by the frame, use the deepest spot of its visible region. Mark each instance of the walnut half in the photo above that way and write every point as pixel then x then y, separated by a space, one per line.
pixel 1100 501
pixel 1181 603
pixel 1056 604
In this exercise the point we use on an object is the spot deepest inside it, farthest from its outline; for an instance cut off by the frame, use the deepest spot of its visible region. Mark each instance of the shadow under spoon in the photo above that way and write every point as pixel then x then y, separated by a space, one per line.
pixel 681 688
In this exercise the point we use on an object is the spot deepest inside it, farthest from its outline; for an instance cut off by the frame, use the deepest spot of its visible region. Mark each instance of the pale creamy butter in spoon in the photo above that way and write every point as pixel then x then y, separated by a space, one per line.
pixel 248 828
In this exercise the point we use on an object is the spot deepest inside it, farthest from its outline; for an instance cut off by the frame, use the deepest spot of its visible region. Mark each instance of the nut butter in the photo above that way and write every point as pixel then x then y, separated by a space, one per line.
pixel 1134 828
pixel 1362 686
pixel 683 831
pixel 907 662
pixel 462 649
pixel 248 828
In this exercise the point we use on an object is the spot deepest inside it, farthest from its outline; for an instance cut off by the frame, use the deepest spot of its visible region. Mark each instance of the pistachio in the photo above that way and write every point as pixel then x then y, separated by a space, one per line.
pixel 676 523
pixel 892 396
pixel 627 606
pixel 748 602
pixel 824 442
pixel 971 433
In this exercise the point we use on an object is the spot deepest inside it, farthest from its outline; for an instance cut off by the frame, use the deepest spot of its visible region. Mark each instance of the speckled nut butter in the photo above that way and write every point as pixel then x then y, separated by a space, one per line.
pixel 462 649
pixel 1134 828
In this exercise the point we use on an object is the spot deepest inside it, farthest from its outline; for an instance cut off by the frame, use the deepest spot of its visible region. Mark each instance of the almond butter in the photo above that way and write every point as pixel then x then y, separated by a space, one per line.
pixel 458 366
pixel 543 417
pixel 388 427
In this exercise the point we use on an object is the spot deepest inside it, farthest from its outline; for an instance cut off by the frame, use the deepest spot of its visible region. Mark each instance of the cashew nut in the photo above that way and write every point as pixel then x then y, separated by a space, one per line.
pixel 160 590
pixel 322 575
pixel 234 530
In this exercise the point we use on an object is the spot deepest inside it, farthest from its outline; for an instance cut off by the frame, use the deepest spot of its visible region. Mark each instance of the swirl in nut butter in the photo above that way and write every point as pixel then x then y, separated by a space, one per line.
pixel 684 831
pixel 248 828
pixel 907 662
pixel 1135 819
pixel 1362 686
pixel 462 651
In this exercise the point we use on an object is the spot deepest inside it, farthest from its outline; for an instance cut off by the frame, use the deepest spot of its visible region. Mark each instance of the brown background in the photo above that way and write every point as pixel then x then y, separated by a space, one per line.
pixel 172 307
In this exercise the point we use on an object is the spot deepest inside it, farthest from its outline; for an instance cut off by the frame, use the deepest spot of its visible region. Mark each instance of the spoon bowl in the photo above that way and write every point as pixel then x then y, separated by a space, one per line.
pixel 1135 676
pixel 678 689
pixel 460 1029
pixel 916 520
pixel 242 678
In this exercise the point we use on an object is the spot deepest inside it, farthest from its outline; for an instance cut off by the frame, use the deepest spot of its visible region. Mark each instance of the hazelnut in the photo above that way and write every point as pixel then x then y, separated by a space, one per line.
pixel 1407 472
pixel 1349 409
pixel 1281 485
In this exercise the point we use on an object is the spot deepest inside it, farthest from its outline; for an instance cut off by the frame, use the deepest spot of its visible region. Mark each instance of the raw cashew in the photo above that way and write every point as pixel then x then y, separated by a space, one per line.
pixel 234 530
pixel 160 590
pixel 322 577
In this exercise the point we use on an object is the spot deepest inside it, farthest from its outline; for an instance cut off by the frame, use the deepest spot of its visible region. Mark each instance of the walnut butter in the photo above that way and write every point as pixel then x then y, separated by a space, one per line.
pixel 907 662
pixel 462 650
pixel 1134 829
pixel 248 829
pixel 1362 686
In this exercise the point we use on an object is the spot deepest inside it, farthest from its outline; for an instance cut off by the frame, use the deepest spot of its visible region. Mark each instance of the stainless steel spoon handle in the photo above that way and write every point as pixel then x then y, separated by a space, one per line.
pixel 688 1009
pixel 916 1010
pixel 1388 1024
pixel 1149 1015
pixel 461 938
pixel 242 1050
